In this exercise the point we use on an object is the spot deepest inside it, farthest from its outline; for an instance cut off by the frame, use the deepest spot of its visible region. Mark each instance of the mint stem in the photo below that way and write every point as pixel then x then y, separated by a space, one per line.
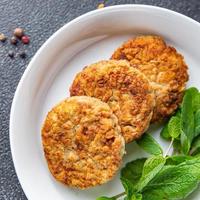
pixel 119 195
pixel 169 148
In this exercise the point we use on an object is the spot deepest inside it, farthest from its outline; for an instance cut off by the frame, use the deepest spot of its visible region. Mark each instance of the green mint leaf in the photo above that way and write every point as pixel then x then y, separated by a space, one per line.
pixel 165 133
pixel 187 113
pixel 177 159
pixel 133 170
pixel 106 198
pixel 129 188
pixel 177 145
pixel 196 100
pixel 195 103
pixel 197 122
pixel 174 126
pixel 149 144
pixel 136 197
pixel 194 165
pixel 185 143
pixel 151 167
pixel 174 182
pixel 178 113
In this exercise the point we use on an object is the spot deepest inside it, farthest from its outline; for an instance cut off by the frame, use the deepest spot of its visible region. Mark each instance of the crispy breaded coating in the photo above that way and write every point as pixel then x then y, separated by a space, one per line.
pixel 164 67
pixel 82 142
pixel 126 90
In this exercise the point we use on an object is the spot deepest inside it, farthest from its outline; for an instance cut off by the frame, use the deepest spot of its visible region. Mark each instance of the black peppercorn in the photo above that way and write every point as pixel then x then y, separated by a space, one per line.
pixel 13 40
pixel 11 54
pixel 22 54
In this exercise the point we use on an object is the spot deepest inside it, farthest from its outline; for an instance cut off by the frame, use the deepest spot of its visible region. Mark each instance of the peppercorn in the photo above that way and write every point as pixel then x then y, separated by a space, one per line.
pixel 13 40
pixel 25 39
pixel 3 38
pixel 11 54
pixel 18 32
pixel 22 54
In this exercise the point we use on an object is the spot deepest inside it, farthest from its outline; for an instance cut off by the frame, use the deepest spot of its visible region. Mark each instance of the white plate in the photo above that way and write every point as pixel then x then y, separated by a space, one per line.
pixel 87 39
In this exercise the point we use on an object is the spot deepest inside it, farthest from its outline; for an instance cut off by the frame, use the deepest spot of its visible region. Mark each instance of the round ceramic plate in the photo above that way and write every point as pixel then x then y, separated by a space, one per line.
pixel 87 39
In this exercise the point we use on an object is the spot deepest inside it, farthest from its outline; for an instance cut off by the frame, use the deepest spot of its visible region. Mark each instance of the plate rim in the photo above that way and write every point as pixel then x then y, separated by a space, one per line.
pixel 45 45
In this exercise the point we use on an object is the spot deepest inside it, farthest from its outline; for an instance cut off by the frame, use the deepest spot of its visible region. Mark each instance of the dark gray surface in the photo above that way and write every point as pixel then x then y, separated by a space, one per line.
pixel 40 19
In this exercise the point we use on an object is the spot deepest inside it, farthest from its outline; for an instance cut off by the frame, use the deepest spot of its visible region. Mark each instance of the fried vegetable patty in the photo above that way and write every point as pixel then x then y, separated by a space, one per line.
pixel 126 90
pixel 82 142
pixel 163 66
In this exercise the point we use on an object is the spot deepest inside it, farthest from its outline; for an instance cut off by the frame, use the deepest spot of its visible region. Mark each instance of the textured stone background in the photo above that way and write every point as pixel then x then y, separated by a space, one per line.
pixel 40 19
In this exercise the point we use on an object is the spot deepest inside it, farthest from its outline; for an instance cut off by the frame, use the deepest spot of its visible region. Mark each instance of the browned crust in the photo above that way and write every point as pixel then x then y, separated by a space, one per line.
pixel 125 89
pixel 82 142
pixel 163 66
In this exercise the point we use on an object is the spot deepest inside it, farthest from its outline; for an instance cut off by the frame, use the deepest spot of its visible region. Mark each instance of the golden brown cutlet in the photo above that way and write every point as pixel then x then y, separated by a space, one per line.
pixel 82 142
pixel 126 90
pixel 163 66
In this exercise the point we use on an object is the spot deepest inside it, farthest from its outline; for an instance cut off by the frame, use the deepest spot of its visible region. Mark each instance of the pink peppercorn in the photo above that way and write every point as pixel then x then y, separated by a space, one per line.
pixel 25 39
pixel 18 32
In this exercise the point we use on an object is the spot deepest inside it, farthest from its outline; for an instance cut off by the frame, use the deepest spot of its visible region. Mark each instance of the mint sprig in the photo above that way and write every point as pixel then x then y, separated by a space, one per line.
pixel 163 176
